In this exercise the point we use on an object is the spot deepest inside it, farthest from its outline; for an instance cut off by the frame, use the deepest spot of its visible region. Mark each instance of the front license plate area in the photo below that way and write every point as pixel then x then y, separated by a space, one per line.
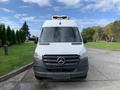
pixel 61 76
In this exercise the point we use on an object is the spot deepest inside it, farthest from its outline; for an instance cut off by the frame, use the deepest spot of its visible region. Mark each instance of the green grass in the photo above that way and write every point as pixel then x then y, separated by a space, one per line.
pixel 18 56
pixel 104 45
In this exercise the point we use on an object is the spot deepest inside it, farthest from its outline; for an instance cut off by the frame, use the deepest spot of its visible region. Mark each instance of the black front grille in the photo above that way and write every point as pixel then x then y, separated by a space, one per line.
pixel 51 63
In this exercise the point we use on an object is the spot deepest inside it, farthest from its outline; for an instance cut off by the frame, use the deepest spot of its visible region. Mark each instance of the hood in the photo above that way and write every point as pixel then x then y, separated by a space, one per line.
pixel 60 48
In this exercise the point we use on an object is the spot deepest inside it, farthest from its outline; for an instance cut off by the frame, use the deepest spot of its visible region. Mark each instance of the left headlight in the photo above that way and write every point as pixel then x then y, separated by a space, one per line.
pixel 83 55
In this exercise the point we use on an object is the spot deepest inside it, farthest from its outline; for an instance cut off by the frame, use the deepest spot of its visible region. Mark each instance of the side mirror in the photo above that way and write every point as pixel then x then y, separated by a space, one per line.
pixel 84 40
pixel 36 40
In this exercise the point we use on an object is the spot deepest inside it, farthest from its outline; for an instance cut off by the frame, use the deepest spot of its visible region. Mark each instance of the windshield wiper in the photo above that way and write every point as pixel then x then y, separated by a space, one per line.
pixel 76 43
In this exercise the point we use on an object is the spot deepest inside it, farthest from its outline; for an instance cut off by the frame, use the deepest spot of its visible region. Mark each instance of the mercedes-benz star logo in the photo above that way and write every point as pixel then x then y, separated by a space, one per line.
pixel 61 60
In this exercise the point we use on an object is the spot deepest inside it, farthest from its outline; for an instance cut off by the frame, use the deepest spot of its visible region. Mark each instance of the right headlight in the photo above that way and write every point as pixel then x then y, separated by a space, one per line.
pixel 36 55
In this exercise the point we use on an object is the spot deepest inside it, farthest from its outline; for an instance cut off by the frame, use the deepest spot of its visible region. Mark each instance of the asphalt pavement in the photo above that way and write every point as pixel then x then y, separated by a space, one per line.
pixel 104 74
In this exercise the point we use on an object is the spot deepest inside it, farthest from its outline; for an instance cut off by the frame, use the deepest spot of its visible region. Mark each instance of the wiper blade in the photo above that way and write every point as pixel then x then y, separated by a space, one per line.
pixel 44 43
pixel 76 43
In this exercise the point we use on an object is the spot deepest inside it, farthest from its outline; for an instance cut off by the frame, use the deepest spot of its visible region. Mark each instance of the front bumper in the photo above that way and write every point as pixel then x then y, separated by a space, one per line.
pixel 80 71
pixel 60 75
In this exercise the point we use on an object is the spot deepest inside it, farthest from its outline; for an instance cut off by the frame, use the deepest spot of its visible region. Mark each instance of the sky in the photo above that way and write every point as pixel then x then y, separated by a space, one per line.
pixel 85 12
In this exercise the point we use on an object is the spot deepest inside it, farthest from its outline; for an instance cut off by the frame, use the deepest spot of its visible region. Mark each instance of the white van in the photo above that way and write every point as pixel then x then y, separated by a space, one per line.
pixel 60 52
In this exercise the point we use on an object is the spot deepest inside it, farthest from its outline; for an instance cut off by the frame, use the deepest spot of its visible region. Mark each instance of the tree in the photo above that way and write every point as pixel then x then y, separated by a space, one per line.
pixel 116 31
pixel 18 37
pixel 25 31
pixel 94 33
pixel 98 35
pixel 21 36
pixel 112 31
pixel 3 34
pixel 9 35
pixel 13 37
pixel 0 35
pixel 88 33
pixel 109 33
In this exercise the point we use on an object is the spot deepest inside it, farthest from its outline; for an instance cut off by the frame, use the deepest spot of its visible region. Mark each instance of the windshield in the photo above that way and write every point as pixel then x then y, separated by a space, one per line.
pixel 60 34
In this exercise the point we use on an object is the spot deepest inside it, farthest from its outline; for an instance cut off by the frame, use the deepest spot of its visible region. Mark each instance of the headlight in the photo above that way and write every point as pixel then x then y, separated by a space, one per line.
pixel 37 56
pixel 83 55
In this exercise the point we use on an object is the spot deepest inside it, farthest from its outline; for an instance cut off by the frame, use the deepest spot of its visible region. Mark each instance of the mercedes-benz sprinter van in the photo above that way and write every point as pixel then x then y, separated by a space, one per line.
pixel 60 51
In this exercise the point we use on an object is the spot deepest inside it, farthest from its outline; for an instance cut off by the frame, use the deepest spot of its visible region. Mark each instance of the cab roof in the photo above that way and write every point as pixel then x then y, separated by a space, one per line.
pixel 59 23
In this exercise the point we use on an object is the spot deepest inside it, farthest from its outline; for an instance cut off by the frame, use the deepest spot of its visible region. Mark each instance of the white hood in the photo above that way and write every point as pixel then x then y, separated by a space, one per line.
pixel 60 48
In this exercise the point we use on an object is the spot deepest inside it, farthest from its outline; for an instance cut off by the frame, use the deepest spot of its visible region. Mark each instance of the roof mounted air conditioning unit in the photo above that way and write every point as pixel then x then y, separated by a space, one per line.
pixel 60 17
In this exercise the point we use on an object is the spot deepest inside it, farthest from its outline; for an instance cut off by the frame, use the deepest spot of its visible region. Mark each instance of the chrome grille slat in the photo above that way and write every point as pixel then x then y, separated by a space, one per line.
pixel 55 64
pixel 51 63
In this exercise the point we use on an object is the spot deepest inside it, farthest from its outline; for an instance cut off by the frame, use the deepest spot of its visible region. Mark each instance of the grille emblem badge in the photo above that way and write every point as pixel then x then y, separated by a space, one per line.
pixel 61 60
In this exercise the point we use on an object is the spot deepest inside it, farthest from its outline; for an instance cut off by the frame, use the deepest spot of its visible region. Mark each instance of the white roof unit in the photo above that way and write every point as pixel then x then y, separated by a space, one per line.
pixel 60 21
pixel 60 17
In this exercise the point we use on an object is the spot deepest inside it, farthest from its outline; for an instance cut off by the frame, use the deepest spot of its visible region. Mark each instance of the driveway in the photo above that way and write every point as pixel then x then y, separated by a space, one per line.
pixel 104 74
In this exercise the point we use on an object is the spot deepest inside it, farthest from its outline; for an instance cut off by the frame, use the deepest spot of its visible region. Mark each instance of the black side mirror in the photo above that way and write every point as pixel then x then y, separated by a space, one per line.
pixel 36 40
pixel 84 40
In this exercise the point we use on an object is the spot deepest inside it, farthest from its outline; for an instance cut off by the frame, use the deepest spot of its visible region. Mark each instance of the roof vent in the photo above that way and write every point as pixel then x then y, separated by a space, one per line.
pixel 60 17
